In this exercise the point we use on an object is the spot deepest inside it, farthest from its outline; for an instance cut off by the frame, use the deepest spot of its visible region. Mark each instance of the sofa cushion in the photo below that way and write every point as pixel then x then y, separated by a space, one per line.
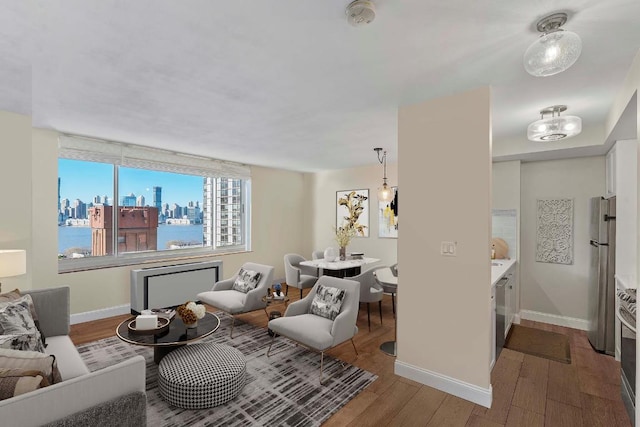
pixel 31 360
pixel 18 330
pixel 246 281
pixel 327 302
pixel 68 359
pixel 16 296
pixel 14 382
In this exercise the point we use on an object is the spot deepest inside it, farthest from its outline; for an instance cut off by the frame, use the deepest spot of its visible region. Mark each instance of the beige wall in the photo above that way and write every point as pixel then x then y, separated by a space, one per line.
pixel 278 224
pixel 558 289
pixel 15 190
pixel 444 308
pixel 322 212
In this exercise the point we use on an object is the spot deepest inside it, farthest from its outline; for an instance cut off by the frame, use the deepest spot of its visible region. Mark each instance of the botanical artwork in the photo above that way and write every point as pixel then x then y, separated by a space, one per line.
pixel 353 211
pixel 388 217
pixel 554 231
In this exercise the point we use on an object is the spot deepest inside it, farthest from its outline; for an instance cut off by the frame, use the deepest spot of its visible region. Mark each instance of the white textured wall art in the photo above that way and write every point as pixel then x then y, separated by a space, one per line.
pixel 554 231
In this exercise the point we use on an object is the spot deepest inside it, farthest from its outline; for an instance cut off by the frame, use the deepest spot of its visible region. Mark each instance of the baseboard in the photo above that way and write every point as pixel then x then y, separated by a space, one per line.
pixel 103 313
pixel 470 392
pixel 554 319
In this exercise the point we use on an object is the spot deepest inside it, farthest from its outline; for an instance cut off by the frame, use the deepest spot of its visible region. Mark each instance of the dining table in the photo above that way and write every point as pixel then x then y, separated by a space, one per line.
pixel 349 267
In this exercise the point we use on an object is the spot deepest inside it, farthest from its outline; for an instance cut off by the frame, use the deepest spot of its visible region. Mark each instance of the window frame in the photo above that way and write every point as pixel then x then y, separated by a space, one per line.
pixel 91 150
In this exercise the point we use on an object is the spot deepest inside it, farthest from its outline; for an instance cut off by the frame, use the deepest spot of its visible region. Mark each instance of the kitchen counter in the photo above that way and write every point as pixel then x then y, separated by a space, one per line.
pixel 497 271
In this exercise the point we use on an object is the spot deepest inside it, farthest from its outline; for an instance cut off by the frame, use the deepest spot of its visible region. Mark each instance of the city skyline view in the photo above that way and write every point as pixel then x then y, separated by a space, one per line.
pixel 84 180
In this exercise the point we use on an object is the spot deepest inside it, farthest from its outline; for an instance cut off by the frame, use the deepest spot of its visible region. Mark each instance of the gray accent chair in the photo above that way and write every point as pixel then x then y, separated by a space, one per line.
pixel 298 276
pixel 317 255
pixel 394 269
pixel 233 302
pixel 383 276
pixel 370 291
pixel 318 333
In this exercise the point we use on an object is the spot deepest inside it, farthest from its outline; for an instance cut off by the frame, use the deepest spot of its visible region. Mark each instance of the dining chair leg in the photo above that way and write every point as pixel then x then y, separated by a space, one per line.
pixel 286 292
pixel 354 347
pixel 380 309
pixel 300 293
pixel 369 316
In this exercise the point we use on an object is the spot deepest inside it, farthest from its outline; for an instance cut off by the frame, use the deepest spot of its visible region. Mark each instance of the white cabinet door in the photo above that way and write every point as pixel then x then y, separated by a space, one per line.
pixel 493 326
pixel 610 173
pixel 510 299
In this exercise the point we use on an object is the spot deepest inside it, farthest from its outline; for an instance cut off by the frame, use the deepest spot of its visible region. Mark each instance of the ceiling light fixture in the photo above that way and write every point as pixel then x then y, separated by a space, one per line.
pixel 360 13
pixel 385 193
pixel 555 127
pixel 555 50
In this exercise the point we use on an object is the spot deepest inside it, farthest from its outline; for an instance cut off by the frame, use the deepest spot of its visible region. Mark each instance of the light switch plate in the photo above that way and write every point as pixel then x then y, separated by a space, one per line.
pixel 448 248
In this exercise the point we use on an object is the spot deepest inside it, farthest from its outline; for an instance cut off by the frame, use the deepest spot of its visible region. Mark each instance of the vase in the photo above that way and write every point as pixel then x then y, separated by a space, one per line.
pixel 343 253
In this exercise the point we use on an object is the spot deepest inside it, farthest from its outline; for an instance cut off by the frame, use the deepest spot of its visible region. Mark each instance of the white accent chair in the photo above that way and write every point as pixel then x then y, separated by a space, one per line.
pixel 318 333
pixel 298 276
pixel 231 301
pixel 317 255
pixel 370 291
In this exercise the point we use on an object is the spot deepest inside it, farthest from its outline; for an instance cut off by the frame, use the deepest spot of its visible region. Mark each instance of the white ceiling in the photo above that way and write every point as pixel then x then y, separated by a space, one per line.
pixel 288 83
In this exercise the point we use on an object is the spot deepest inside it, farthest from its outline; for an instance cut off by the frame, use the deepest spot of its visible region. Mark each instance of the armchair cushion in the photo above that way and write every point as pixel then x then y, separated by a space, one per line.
pixel 230 301
pixel 246 280
pixel 309 329
pixel 327 302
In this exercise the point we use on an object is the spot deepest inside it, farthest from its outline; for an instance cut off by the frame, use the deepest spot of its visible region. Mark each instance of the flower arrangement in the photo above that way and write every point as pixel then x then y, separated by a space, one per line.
pixel 344 235
pixel 190 312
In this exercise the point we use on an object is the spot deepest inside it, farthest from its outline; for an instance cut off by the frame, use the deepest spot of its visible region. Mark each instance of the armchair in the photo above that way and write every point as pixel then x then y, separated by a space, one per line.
pixel 370 291
pixel 315 332
pixel 298 276
pixel 232 301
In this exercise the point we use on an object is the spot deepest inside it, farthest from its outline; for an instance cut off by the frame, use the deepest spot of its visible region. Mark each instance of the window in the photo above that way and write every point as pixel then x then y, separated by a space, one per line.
pixel 118 204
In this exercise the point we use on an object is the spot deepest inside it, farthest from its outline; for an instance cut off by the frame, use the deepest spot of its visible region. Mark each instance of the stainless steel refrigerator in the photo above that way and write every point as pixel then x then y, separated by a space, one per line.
pixel 602 286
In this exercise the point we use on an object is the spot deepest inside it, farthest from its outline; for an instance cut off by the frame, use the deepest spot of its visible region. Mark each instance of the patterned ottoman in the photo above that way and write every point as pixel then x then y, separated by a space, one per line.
pixel 200 376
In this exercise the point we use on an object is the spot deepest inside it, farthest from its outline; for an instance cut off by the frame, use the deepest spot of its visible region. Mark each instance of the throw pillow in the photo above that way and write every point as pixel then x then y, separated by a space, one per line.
pixel 14 382
pixel 18 330
pixel 31 360
pixel 327 302
pixel 15 296
pixel 246 281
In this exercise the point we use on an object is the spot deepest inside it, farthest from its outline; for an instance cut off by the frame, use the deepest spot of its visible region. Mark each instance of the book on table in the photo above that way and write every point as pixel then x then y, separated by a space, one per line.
pixel 276 296
pixel 167 313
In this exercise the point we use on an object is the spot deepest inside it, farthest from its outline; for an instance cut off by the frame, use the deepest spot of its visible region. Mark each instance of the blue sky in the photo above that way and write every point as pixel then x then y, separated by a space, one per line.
pixel 84 180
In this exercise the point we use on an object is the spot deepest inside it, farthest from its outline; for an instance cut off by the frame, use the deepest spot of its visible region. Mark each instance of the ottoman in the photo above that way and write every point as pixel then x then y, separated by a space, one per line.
pixel 201 376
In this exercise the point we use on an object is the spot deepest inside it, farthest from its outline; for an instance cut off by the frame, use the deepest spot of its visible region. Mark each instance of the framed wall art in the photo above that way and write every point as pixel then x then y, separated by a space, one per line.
pixel 352 209
pixel 388 217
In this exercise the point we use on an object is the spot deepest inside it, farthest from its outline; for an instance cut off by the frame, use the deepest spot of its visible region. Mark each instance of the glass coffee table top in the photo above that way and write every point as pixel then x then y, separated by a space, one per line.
pixel 177 335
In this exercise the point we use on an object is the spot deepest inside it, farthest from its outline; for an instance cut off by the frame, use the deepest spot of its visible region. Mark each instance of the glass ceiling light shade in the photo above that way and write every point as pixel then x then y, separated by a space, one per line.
pixel 385 193
pixel 555 51
pixel 555 127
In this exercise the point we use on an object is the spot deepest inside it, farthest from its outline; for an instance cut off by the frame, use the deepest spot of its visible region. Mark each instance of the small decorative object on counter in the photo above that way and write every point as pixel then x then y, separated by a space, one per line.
pixel 190 312
pixel 330 254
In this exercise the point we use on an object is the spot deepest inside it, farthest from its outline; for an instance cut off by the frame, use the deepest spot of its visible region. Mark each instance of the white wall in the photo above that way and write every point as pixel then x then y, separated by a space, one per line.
pixel 558 289
pixel 278 225
pixel 444 303
pixel 322 209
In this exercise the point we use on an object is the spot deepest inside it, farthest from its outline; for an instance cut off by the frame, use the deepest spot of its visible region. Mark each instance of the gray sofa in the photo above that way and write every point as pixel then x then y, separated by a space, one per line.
pixel 113 396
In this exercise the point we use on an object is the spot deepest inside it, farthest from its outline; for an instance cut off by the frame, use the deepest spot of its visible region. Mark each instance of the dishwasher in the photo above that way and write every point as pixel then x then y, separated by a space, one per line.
pixel 500 314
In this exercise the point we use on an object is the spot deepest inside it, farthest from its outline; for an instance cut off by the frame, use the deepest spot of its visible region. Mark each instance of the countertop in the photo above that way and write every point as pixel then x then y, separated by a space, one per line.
pixel 497 271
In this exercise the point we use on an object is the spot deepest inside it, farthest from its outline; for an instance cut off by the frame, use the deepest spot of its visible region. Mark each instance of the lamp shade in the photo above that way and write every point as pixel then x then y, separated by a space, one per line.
pixel 13 262
pixel 554 128
pixel 552 53
pixel 385 193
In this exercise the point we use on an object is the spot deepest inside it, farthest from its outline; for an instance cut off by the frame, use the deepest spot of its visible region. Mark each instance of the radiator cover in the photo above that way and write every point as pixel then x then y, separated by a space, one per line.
pixel 171 285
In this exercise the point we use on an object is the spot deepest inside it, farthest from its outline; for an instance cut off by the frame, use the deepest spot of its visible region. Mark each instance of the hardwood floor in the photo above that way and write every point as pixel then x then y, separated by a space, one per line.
pixel 527 390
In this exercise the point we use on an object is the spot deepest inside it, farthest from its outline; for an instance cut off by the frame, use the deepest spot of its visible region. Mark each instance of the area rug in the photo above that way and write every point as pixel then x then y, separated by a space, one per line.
pixel 536 342
pixel 282 390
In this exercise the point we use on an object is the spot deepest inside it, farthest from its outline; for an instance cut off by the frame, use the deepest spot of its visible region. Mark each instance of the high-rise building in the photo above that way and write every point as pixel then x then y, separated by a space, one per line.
pixel 79 209
pixel 208 185
pixel 228 211
pixel 97 200
pixel 140 200
pixel 157 198
pixel 105 200
pixel 129 200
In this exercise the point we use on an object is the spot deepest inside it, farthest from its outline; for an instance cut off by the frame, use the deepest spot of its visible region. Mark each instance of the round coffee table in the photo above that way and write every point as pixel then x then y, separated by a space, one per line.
pixel 175 337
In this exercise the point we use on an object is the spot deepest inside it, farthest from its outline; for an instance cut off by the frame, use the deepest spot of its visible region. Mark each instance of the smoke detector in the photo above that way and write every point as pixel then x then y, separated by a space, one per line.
pixel 360 13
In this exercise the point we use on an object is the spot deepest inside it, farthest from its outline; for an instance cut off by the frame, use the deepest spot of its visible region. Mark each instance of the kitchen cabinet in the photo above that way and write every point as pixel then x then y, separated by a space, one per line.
pixel 610 173
pixel 493 326
pixel 510 298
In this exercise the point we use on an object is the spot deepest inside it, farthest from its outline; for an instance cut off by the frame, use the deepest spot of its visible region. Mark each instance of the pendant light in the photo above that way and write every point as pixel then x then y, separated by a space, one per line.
pixel 554 128
pixel 555 50
pixel 385 193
